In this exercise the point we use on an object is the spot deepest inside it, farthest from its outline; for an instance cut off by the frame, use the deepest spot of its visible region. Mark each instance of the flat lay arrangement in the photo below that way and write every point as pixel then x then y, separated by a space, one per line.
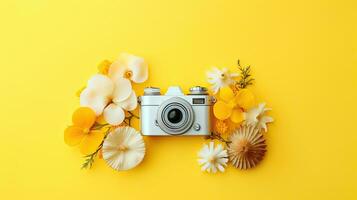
pixel 178 99
pixel 226 115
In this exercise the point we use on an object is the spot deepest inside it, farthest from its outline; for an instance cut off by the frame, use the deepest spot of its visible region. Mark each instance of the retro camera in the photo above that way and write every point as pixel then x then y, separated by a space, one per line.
pixel 175 113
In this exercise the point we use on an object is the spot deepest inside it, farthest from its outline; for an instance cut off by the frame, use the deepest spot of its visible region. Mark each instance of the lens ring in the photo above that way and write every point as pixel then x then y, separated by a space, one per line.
pixel 166 121
pixel 187 116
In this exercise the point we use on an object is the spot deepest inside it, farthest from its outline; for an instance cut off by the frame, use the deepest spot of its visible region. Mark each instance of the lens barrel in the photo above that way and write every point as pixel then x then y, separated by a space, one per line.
pixel 175 116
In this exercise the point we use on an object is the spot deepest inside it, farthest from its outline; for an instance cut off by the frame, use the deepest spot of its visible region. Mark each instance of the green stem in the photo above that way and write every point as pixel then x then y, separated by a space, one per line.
pixel 90 157
pixel 98 126
pixel 133 115
pixel 216 136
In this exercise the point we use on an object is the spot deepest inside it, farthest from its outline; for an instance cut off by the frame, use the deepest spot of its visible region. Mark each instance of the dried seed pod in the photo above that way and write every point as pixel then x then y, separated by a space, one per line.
pixel 247 147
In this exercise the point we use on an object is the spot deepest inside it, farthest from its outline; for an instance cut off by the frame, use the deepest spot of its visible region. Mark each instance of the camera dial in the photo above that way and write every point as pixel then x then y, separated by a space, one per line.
pixel 149 91
pixel 198 90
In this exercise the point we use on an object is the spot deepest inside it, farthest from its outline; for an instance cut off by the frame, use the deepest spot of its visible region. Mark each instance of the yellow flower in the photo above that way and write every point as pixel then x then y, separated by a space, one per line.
pixel 103 67
pixel 80 132
pixel 232 106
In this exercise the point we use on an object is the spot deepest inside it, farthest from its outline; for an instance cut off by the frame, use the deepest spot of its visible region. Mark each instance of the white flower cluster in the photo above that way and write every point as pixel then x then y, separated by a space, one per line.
pixel 111 94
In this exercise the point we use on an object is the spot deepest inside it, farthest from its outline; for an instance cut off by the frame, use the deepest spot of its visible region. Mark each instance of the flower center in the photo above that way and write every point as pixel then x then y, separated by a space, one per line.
pixel 122 148
pixel 128 74
pixel 223 76
pixel 86 130
pixel 244 146
pixel 212 159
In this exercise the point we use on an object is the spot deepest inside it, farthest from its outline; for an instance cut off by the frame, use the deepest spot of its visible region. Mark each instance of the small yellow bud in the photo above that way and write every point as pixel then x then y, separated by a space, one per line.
pixel 103 67
pixel 78 93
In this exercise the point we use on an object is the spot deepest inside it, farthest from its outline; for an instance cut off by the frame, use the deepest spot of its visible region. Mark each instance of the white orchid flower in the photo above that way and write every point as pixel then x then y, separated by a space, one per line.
pixel 256 117
pixel 130 67
pixel 101 91
pixel 111 95
pixel 220 78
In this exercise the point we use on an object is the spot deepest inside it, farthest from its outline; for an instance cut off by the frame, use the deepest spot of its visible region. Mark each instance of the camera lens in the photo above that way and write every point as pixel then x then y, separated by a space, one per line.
pixel 174 116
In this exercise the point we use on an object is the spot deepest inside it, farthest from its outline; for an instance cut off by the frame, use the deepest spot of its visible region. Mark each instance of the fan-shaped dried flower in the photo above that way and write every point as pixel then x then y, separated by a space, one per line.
pixel 123 148
pixel 247 147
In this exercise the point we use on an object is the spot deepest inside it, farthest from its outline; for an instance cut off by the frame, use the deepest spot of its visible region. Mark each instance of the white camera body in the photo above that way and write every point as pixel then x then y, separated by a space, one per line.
pixel 176 113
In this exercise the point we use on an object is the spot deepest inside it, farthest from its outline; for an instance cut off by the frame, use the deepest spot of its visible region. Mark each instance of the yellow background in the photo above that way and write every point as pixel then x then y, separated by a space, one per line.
pixel 304 59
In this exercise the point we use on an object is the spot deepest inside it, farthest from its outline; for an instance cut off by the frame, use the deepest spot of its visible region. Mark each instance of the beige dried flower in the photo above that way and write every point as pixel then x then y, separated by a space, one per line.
pixel 247 147
pixel 123 148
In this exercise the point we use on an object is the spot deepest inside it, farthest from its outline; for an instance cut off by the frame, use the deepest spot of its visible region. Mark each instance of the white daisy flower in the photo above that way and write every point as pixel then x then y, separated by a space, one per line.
pixel 220 78
pixel 256 117
pixel 123 148
pixel 212 158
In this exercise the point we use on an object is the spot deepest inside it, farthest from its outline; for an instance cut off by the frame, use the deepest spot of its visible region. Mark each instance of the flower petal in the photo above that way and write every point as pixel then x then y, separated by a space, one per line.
pixel 122 89
pixel 129 103
pixel 102 84
pixel 91 142
pixel 114 114
pixel 215 88
pixel 221 110
pixel 245 99
pixel 90 98
pixel 263 122
pixel 83 117
pixel 73 135
pixel 219 78
pixel 139 68
pixel 226 94
pixel 117 69
pixel 237 116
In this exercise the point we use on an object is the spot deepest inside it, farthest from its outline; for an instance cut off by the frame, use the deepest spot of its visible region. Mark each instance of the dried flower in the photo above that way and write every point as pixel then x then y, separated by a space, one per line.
pixel 247 147
pixel 220 78
pixel 221 127
pixel 123 148
pixel 80 132
pixel 212 158
pixel 256 117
